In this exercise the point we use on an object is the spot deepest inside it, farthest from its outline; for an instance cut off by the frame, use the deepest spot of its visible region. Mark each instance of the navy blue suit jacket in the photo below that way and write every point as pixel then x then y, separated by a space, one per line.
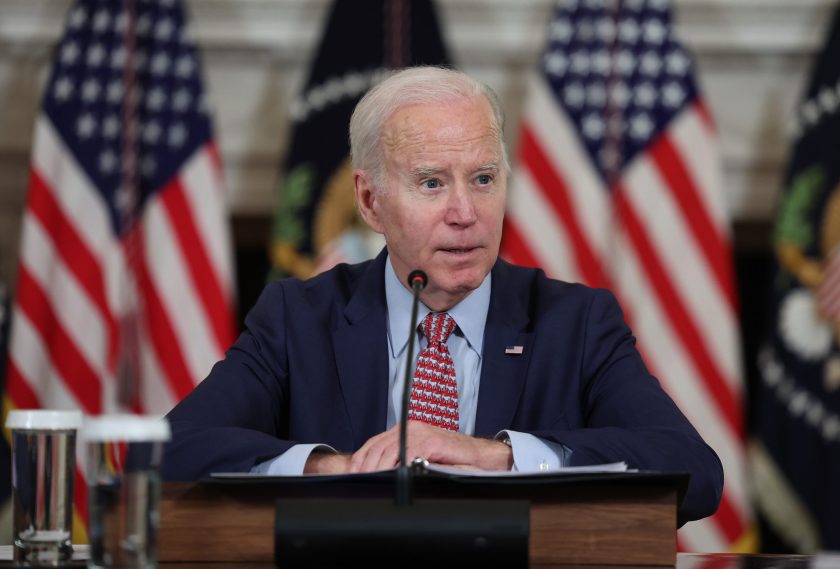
pixel 312 367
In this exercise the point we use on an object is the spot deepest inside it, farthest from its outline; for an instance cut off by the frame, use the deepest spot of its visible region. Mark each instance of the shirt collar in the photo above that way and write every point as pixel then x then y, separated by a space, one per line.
pixel 470 314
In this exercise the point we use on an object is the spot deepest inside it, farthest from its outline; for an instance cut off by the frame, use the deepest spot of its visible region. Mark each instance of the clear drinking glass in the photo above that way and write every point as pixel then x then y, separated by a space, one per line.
pixel 123 454
pixel 43 466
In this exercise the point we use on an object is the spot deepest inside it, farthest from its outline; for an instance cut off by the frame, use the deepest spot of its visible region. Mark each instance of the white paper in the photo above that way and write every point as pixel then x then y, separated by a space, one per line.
pixel 825 560
pixel 450 471
pixel 590 469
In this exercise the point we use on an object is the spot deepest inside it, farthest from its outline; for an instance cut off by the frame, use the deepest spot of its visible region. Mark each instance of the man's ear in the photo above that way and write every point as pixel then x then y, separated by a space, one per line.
pixel 367 200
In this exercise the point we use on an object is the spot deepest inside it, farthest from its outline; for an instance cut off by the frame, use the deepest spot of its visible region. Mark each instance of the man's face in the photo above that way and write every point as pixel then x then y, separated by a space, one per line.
pixel 443 200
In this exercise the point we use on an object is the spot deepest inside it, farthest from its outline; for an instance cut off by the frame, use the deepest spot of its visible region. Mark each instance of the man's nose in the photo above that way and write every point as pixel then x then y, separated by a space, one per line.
pixel 461 206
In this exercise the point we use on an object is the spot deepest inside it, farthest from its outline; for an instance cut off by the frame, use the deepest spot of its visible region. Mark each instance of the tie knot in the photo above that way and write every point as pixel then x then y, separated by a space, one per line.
pixel 437 327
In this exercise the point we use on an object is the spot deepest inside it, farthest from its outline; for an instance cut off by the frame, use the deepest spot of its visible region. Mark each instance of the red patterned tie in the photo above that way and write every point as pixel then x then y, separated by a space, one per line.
pixel 434 391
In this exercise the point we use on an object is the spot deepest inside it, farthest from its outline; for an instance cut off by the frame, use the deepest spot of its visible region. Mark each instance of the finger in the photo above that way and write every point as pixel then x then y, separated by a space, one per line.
pixel 360 455
pixel 389 458
pixel 416 451
pixel 458 466
pixel 356 460
pixel 362 459
pixel 389 451
pixel 371 459
pixel 374 456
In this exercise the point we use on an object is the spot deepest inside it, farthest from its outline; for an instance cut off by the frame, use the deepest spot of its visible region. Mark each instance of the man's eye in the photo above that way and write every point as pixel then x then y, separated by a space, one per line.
pixel 431 184
pixel 484 179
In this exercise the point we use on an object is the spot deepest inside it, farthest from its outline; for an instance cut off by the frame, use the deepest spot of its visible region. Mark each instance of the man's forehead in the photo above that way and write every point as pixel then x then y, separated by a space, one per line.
pixel 460 123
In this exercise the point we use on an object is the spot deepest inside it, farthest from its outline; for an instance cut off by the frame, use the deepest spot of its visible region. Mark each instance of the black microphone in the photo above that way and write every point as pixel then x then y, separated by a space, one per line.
pixel 417 281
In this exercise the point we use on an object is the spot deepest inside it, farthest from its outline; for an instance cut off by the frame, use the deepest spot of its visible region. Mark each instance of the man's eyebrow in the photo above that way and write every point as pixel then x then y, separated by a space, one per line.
pixel 421 171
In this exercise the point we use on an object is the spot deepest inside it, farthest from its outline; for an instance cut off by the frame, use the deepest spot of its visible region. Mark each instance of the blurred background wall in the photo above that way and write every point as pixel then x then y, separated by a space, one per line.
pixel 753 57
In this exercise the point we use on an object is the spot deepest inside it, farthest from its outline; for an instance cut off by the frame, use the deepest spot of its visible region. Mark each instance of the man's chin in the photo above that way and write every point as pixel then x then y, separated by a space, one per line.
pixel 459 284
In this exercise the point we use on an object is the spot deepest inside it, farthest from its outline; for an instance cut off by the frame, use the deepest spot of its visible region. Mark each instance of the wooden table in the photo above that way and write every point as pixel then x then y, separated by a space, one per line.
pixel 608 521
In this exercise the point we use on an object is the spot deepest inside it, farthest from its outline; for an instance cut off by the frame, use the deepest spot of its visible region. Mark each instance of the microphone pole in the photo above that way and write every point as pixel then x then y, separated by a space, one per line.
pixel 417 281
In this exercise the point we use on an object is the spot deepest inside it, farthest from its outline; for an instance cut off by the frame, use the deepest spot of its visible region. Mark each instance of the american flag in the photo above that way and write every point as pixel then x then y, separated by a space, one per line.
pixel 124 292
pixel 828 292
pixel 618 184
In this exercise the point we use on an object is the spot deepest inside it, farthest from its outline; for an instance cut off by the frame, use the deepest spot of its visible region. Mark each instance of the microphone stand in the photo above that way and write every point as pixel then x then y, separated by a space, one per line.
pixel 417 280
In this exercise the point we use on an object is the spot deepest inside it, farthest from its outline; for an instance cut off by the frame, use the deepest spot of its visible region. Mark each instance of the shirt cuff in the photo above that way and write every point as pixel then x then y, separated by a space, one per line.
pixel 292 462
pixel 532 454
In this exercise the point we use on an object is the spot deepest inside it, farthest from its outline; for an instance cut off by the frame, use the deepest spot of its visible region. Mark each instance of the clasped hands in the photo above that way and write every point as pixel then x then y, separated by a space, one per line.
pixel 436 445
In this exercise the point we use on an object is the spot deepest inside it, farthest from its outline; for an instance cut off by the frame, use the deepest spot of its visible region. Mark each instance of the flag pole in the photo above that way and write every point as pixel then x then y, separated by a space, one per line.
pixel 128 363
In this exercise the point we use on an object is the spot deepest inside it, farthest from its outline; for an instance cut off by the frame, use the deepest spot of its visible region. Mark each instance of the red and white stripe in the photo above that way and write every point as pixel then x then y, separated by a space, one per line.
pixel 828 292
pixel 72 268
pixel 72 273
pixel 659 239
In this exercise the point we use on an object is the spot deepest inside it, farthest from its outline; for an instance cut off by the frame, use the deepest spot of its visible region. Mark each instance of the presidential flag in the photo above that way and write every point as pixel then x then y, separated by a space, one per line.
pixel 796 457
pixel 124 289
pixel 618 185
pixel 316 225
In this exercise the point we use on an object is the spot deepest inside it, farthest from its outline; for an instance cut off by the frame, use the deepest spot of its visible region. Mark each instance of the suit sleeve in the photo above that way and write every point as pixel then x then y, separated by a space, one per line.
pixel 234 418
pixel 629 417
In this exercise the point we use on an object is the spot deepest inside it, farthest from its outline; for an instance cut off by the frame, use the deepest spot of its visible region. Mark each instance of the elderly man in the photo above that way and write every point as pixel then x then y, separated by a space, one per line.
pixel 515 371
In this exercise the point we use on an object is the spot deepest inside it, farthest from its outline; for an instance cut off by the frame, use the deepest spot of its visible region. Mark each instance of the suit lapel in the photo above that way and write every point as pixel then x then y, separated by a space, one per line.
pixel 503 374
pixel 361 354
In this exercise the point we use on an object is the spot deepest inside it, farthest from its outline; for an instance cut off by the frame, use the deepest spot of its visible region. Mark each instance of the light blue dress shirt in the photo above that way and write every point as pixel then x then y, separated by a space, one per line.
pixel 465 344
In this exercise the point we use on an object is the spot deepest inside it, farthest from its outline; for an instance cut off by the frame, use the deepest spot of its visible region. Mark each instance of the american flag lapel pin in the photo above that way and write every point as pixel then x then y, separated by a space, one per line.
pixel 513 350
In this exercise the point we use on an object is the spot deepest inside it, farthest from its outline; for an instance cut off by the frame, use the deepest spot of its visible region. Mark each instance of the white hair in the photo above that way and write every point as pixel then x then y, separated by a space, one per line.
pixel 424 85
